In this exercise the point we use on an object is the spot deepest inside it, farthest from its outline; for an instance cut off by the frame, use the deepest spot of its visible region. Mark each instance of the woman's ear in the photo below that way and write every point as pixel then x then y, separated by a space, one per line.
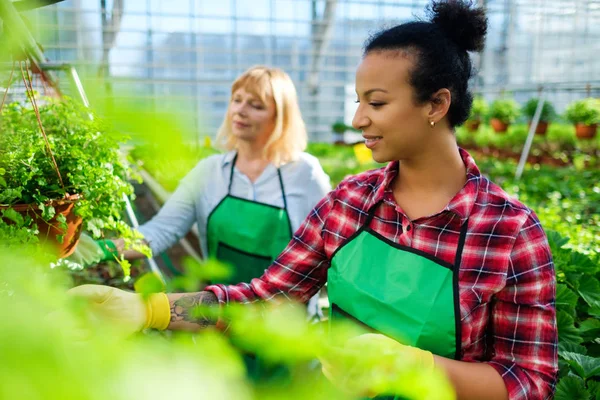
pixel 440 104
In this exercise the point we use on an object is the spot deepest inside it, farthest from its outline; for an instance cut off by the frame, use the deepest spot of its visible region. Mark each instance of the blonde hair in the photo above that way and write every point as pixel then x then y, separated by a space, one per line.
pixel 289 137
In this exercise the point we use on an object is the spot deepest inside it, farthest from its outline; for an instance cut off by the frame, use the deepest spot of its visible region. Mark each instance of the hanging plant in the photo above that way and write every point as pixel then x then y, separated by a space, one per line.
pixel 60 172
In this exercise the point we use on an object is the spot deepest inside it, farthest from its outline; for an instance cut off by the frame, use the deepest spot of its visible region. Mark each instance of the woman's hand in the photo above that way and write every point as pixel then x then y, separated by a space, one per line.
pixel 127 311
pixel 367 362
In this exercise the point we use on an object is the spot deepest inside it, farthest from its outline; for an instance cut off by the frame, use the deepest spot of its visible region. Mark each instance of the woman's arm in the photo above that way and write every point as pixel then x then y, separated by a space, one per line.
pixel 297 274
pixel 473 381
pixel 184 317
pixel 176 216
pixel 120 249
pixel 524 364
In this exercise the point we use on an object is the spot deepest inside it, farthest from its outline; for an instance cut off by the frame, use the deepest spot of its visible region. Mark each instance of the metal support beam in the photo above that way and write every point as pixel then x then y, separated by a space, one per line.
pixel 531 134
pixel 322 30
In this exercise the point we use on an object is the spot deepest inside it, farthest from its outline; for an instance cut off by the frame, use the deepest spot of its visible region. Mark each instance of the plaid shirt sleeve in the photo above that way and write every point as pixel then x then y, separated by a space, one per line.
pixel 299 271
pixel 525 332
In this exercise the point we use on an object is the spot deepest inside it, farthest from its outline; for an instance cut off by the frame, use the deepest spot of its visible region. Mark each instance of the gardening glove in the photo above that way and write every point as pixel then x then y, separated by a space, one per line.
pixel 128 311
pixel 366 361
pixel 90 252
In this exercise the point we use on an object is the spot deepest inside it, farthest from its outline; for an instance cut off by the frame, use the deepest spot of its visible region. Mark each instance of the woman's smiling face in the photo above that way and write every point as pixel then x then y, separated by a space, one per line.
pixel 394 127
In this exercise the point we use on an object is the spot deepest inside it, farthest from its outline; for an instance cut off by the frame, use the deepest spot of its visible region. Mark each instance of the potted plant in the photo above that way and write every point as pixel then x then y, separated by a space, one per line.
pixel 60 172
pixel 547 114
pixel 479 110
pixel 503 112
pixel 585 115
pixel 339 128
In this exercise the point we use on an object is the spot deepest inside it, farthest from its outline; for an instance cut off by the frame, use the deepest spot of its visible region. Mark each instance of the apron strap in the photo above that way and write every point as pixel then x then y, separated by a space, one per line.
pixel 370 216
pixel 278 174
pixel 282 189
pixel 461 245
pixel 231 174
pixel 455 275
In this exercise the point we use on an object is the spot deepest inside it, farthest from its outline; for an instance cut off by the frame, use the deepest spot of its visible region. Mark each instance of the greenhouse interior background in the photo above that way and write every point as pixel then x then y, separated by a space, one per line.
pixel 194 49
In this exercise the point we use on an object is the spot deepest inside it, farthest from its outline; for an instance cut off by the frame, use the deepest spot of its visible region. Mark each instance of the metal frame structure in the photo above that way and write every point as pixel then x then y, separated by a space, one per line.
pixel 194 49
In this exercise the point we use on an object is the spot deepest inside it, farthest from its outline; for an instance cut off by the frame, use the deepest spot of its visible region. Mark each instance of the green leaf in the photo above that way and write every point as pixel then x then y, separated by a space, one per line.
pixel 148 283
pixel 589 329
pixel 2 182
pixel 567 333
pixel 583 263
pixel 12 215
pixel 594 311
pixel 574 279
pixel 566 298
pixel 571 347
pixel 556 240
pixel 126 266
pixel 589 289
pixel 584 366
pixel 594 388
pixel 571 388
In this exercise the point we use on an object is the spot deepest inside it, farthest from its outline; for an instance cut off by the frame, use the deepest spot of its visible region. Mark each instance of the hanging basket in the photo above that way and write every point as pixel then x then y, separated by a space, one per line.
pixel 64 238
pixel 51 231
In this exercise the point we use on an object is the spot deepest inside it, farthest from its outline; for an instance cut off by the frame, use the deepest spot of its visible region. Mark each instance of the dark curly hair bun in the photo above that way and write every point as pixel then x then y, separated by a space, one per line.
pixel 462 23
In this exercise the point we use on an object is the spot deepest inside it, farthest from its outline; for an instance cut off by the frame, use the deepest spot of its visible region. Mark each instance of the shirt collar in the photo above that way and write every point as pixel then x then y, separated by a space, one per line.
pixel 228 158
pixel 461 204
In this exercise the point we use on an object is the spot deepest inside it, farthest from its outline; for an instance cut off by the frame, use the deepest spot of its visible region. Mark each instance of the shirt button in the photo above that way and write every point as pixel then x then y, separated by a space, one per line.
pixel 408 228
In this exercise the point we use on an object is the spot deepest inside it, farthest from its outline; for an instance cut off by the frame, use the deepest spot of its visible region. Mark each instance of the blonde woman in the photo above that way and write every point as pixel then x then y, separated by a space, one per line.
pixel 248 201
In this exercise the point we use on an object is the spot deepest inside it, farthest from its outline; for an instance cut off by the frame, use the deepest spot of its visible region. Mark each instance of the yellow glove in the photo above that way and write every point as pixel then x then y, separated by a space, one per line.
pixel 366 361
pixel 384 345
pixel 128 311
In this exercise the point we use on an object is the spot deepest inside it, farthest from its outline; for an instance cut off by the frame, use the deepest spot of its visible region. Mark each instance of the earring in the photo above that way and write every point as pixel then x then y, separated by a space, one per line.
pixel 432 123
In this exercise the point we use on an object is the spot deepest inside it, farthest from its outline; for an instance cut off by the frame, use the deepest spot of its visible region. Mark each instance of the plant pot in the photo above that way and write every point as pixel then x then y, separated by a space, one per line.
pixel 583 131
pixel 541 128
pixel 499 126
pixel 472 125
pixel 49 230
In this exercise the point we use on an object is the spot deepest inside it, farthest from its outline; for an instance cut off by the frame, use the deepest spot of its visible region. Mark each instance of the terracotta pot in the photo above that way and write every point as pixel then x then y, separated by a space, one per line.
pixel 541 129
pixel 50 230
pixel 472 125
pixel 583 131
pixel 499 126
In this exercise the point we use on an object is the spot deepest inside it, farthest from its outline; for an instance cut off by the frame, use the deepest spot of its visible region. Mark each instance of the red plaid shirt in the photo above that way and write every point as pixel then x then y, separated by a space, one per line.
pixel 506 278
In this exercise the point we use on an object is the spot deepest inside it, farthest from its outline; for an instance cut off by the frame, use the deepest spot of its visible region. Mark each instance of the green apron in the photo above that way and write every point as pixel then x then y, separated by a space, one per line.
pixel 247 234
pixel 403 293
